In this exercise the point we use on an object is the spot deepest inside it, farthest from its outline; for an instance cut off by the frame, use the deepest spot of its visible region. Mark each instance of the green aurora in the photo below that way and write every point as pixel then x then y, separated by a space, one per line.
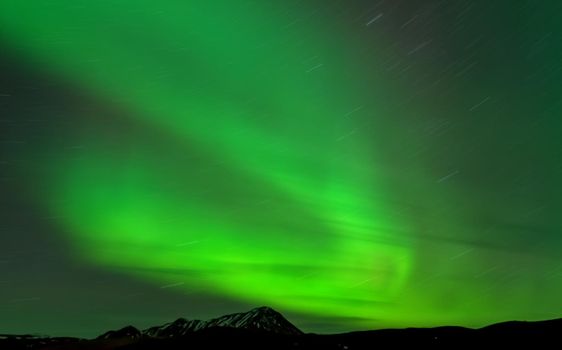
pixel 269 152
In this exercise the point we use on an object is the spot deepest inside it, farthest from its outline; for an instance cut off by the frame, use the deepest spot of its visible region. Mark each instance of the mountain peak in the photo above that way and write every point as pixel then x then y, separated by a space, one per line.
pixel 262 318
pixel 180 321
pixel 125 332
pixel 179 327
pixel 263 310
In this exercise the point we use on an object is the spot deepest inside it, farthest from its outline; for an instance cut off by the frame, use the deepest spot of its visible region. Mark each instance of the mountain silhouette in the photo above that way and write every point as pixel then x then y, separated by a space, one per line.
pixel 262 318
pixel 126 332
pixel 265 328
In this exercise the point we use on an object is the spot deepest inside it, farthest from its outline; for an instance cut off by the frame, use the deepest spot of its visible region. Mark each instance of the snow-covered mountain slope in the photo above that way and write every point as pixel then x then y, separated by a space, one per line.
pixel 261 318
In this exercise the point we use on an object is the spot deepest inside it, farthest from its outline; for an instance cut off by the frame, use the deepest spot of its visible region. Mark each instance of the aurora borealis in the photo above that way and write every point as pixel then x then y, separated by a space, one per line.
pixel 353 164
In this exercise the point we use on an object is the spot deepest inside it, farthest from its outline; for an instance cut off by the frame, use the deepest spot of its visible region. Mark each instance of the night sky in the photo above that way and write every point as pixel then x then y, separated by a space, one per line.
pixel 352 164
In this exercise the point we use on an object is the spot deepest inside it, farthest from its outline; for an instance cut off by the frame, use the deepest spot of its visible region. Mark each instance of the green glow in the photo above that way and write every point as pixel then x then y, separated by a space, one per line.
pixel 259 183
pixel 270 116
pixel 122 211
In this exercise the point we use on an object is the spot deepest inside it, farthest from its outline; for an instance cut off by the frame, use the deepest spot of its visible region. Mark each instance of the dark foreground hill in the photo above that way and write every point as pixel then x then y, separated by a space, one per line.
pixel 265 328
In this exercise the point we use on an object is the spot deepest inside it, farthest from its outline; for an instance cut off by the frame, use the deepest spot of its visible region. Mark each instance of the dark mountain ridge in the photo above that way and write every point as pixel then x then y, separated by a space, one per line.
pixel 265 328
pixel 262 318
